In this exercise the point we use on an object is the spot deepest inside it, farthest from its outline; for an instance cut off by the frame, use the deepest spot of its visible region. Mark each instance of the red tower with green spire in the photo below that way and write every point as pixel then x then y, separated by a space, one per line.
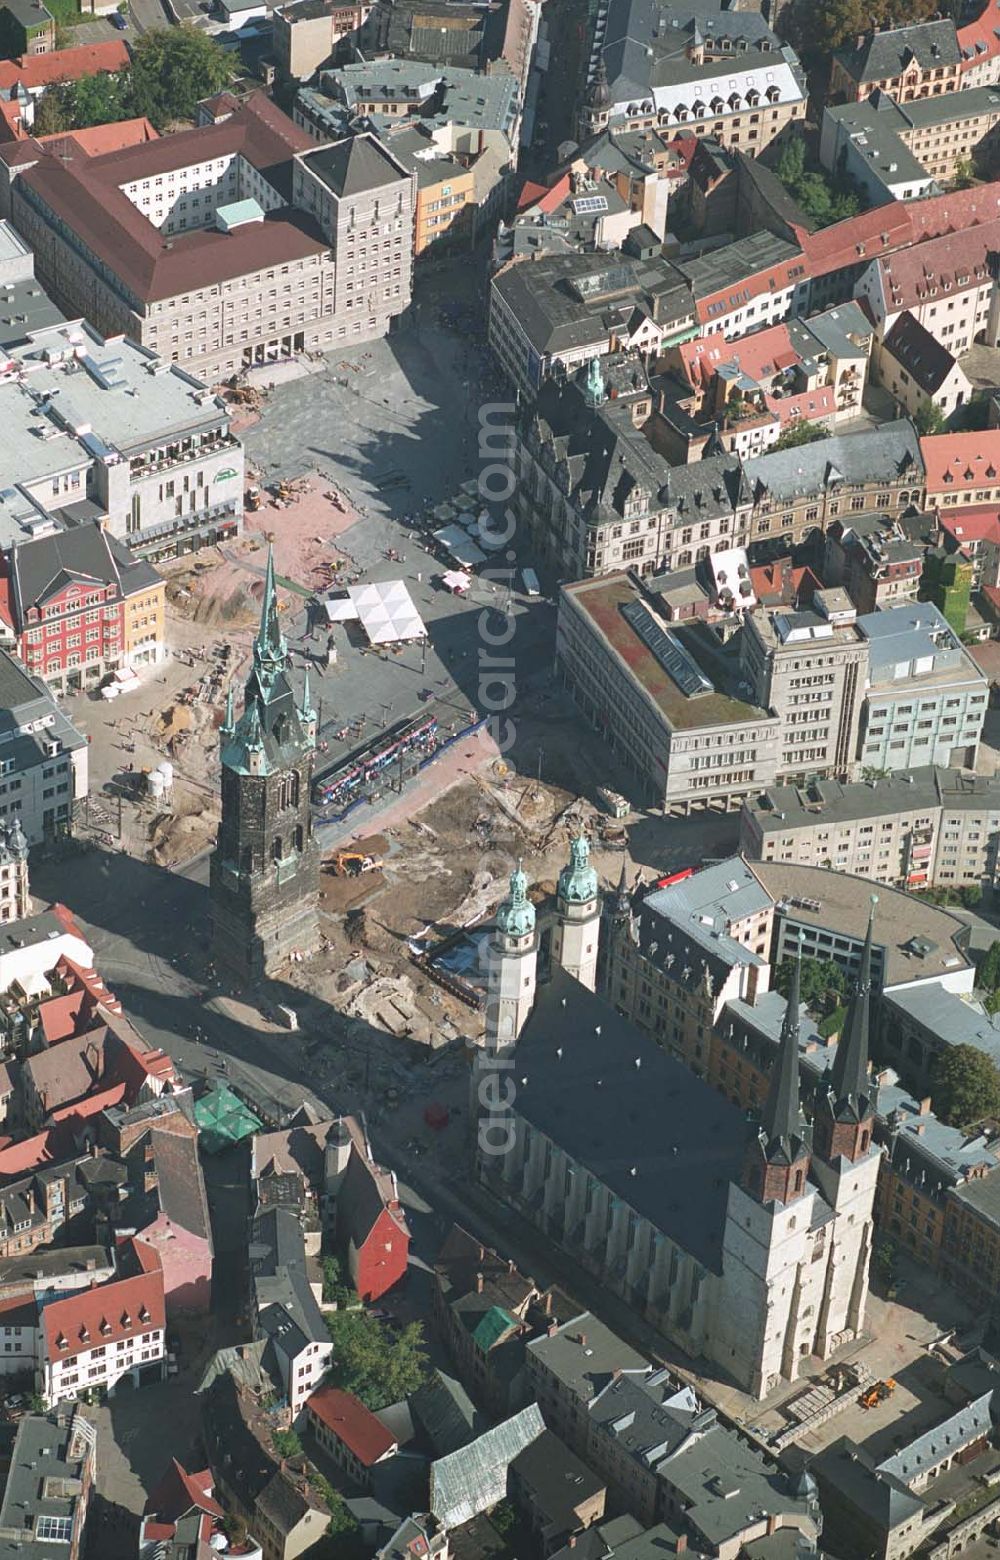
pixel 264 875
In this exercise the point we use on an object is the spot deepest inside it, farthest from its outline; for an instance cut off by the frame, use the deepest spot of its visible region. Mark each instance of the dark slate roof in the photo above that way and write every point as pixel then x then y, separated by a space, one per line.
pixel 607 458
pixel 887 454
pixel 354 166
pixel 657 1136
pixel 446 1414
pixel 847 1469
pixel 49 563
pixel 559 1482
pixel 886 54
pixel 181 1186
pixel 561 301
pixel 915 349
pixel 644 41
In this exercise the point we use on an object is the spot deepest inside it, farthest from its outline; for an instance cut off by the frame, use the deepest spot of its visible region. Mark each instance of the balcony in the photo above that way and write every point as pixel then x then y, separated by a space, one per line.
pixel 144 465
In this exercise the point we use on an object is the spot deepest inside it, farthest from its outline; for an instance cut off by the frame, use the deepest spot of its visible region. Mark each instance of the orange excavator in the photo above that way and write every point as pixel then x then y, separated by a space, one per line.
pixel 877 1393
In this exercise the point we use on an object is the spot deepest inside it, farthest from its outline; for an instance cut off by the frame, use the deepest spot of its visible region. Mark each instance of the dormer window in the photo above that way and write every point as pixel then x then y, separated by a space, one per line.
pixel 105 1327
pixel 62 1342
pixel 144 1314
pixel 126 1320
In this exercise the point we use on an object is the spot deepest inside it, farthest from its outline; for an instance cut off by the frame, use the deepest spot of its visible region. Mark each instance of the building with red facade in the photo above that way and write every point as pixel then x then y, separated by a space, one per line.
pixel 68 604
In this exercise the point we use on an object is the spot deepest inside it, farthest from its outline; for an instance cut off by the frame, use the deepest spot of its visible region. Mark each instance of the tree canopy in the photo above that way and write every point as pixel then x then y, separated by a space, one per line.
pixel 801 432
pixel 819 196
pixel 172 69
pixel 821 980
pixel 965 1085
pixel 103 99
pixel 816 27
pixel 378 1367
pixel 929 418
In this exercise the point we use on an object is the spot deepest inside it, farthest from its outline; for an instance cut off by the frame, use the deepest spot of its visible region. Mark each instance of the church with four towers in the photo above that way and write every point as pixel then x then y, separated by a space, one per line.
pixel 746 1242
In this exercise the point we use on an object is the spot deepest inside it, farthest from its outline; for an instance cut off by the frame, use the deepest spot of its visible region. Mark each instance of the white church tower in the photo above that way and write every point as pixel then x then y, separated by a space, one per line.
pixel 575 935
pixel 511 961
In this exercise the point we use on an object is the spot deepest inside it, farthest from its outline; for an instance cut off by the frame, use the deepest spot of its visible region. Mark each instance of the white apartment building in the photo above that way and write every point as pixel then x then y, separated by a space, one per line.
pixel 926 699
pixel 93 1339
pixel 914 829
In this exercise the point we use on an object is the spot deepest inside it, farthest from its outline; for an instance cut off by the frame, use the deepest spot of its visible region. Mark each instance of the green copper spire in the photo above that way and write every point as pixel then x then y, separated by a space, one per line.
pixel 270 650
pixel 595 382
pixel 516 916
pixel 578 880
pixel 228 720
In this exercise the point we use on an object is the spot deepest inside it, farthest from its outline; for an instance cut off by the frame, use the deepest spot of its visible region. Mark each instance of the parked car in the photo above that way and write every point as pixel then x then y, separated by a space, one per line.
pixel 119 20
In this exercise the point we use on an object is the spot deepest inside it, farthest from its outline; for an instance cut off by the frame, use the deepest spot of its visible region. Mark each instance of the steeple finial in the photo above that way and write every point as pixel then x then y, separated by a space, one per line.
pixel 781 1124
pixel 307 709
pixel 229 717
pixel 849 1082
pixel 516 915
pixel 270 646
pixel 578 880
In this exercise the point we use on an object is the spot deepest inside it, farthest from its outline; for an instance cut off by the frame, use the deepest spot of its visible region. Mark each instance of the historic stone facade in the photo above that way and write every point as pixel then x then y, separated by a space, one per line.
pixel 265 867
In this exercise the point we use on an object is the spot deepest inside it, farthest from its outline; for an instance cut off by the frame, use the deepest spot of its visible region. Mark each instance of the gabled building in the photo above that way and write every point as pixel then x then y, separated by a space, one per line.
pixel 182 1517
pixel 596 495
pixel 909 63
pixel 919 372
pixel 83 606
pixel 91 1340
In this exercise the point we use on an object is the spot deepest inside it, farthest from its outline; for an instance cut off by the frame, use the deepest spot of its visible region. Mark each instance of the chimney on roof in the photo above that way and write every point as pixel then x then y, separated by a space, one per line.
pixel 582 1340
pixel 681 1545
pixel 479 1283
pixel 571 1541
pixel 924 1108
pixel 552 1329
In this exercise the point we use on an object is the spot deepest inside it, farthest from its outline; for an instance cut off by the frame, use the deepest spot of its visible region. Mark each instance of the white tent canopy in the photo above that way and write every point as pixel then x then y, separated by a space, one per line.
pixel 340 608
pixel 457 541
pixel 387 613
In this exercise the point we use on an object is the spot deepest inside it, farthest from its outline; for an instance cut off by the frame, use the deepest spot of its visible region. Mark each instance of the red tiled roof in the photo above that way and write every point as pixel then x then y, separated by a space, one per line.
pixel 971 525
pixel 42 70
pixel 352 1423
pixel 978 40
pixel 178 1491
pixel 98 139
pixel 6 610
pixel 951 263
pixel 781 581
pixel 18 1312
pixel 103 1315
pixel 90 1105
pixel 59 1016
pixel 42 1149
pixel 956 460
pixel 530 193
pixel 992 594
pixel 954 212
pixel 85 192
pixel 66 921
pixel 864 237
